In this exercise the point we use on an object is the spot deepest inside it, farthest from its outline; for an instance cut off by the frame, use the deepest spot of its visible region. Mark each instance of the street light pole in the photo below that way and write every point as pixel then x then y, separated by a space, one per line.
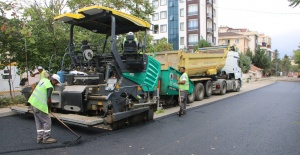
pixel 26 62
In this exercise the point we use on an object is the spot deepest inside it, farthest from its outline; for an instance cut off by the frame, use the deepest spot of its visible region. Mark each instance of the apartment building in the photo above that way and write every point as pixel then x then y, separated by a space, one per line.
pixel 185 22
pixel 265 42
pixel 252 35
pixel 243 39
pixel 241 42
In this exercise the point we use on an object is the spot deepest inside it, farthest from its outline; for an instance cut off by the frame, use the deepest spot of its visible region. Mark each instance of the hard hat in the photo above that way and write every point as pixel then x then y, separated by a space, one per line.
pixel 56 77
pixel 40 67
pixel 129 33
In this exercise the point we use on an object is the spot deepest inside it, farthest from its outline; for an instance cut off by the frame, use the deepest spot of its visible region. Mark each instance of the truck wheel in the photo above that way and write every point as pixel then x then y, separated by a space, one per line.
pixel 199 91
pixel 223 89
pixel 238 87
pixel 208 88
pixel 191 98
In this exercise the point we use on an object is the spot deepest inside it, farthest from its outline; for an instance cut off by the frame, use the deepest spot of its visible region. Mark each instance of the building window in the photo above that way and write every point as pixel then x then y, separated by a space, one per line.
pixel 163 2
pixel 215 27
pixel 181 12
pixel 155 29
pixel 181 1
pixel 215 40
pixel 181 26
pixel 192 9
pixel 237 49
pixel 214 12
pixel 155 16
pixel 181 40
pixel 155 3
pixel 193 24
pixel 193 39
pixel 163 14
pixel 163 28
pixel 226 42
pixel 236 41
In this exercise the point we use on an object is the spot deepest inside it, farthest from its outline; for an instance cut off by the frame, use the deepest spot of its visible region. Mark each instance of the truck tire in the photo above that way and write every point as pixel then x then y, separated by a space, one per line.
pixel 238 87
pixel 191 98
pixel 208 88
pixel 223 88
pixel 199 91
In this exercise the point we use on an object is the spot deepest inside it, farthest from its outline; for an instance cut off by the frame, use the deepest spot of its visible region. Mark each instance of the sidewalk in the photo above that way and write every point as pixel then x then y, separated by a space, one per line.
pixel 245 88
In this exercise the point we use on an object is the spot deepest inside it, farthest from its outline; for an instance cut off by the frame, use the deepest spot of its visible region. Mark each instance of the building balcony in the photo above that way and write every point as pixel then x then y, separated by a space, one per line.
pixel 192 43
pixel 208 15
pixel 209 2
pixel 191 13
pixel 209 30
pixel 190 28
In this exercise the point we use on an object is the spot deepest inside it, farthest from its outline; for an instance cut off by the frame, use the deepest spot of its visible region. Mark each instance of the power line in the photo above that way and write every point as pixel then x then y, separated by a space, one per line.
pixel 256 11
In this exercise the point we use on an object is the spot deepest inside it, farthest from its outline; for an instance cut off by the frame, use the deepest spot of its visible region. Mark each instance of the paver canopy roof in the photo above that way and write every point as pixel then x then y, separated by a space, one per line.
pixel 98 19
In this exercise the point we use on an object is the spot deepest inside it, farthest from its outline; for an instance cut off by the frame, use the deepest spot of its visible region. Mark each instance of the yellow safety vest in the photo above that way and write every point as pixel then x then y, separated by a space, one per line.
pixel 42 75
pixel 186 85
pixel 38 98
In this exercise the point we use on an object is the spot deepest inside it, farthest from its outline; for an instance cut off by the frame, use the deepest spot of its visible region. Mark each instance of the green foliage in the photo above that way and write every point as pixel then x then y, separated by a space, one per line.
pixel 294 3
pixel 7 101
pixel 163 45
pixel 245 62
pixel 45 37
pixel 285 65
pixel 297 55
pixel 249 53
pixel 276 63
pixel 203 43
pixel 261 59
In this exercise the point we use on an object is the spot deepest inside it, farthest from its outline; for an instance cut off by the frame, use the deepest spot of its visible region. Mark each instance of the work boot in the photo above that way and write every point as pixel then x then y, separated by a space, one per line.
pixel 49 141
pixel 180 112
pixel 39 141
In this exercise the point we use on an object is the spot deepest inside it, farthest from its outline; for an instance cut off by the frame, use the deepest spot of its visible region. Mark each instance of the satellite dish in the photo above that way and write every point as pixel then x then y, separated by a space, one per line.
pixel 88 54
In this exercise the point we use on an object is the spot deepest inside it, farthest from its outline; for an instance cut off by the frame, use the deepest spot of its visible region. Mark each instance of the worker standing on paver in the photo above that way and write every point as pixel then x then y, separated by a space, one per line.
pixel 183 84
pixel 42 72
pixel 40 101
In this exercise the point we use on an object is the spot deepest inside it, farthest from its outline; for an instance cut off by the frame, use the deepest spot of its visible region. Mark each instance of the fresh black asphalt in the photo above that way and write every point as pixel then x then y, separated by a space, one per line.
pixel 264 121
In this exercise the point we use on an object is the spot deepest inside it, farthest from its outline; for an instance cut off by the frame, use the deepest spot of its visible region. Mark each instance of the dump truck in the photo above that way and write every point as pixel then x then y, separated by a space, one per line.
pixel 103 88
pixel 211 70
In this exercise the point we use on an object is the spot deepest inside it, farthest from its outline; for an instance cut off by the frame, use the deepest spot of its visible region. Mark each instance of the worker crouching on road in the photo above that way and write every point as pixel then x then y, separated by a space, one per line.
pixel 40 101
pixel 183 84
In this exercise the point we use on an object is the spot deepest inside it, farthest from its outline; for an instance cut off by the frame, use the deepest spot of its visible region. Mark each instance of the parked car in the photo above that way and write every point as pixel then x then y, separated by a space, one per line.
pixel 290 74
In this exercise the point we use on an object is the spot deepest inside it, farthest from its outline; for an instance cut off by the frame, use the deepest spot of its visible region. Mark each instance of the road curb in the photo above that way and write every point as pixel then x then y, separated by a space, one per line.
pixel 6 112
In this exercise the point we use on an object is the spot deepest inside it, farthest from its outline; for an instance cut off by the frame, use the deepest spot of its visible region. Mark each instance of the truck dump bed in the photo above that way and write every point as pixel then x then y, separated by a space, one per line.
pixel 205 61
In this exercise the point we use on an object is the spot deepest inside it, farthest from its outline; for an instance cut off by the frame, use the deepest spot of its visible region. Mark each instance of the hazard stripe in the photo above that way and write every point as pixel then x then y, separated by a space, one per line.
pixel 40 99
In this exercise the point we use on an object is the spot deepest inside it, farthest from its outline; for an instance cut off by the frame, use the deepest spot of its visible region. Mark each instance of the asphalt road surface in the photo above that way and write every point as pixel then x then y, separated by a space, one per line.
pixel 265 121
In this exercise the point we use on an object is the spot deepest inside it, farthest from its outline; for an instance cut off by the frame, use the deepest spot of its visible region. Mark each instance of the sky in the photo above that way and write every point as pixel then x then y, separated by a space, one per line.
pixel 274 18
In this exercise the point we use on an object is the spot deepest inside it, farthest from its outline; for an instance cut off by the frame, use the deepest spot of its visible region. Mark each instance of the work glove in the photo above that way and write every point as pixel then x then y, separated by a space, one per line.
pixel 49 102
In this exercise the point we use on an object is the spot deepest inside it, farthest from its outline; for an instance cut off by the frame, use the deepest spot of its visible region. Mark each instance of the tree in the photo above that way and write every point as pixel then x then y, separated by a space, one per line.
pixel 285 65
pixel 276 63
pixel 261 60
pixel 10 38
pixel 203 43
pixel 245 62
pixel 297 56
pixel 294 3
pixel 249 53
pixel 162 45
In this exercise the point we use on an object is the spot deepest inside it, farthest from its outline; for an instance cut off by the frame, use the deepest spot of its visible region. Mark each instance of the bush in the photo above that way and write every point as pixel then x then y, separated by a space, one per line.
pixel 7 101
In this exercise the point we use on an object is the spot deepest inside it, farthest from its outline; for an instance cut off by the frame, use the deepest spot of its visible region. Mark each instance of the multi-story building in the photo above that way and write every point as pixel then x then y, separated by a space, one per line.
pixel 185 22
pixel 241 42
pixel 265 42
pixel 252 35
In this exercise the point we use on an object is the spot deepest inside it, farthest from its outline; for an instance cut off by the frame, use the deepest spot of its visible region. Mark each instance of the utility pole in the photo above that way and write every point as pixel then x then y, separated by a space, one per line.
pixel 26 61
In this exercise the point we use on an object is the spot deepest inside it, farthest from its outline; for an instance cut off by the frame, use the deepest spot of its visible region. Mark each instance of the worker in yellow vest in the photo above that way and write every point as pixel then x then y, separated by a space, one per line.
pixel 42 72
pixel 40 101
pixel 183 84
